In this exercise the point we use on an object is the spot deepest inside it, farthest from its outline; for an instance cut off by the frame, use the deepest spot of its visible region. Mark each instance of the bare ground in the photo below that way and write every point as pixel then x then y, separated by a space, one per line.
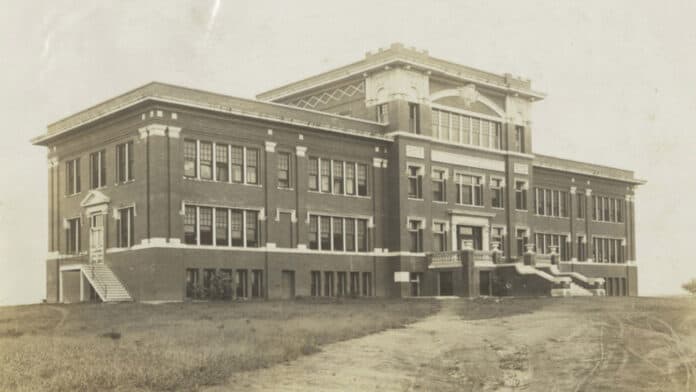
pixel 576 344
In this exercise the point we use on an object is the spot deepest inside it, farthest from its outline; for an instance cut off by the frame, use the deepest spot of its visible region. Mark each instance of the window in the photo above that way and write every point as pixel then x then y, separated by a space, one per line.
pixel 606 209
pixel 97 170
pixel 519 138
pixel 362 235
pixel 367 284
pixel 498 235
pixel 206 160
pixel 226 280
pixel 252 162
pixel 221 227
pixel 497 192
pixel 416 278
pixel 438 177
pixel 242 283
pixel 415 182
pixel 316 284
pixel 205 225
pixel 383 113
pixel 350 234
pixel 619 210
pixel 337 234
pixel 469 189
pixel 72 176
pixel 544 242
pixel 313 171
pixel 521 195
pixel 252 223
pixel 413 118
pixel 190 167
pixel 354 283
pixel 124 228
pixel 124 162
pixel 551 202
pixel 325 230
pixel 283 170
pixel 313 232
pixel 439 237
pixel 329 283
pixel 337 177
pixel 72 236
pixel 257 284
pixel 237 227
pixel 581 205
pixel 608 250
pixel 521 241
pixel 415 233
pixel 237 164
pixel 341 284
pixel 221 163
pixel 190 232
pixel 325 168
pixel 581 248
pixel 350 178
pixel 208 276
pixel 191 282
pixel 362 179
pixel 462 129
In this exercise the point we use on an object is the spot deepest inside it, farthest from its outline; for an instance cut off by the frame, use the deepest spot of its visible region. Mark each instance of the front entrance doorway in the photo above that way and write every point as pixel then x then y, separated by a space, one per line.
pixel 288 284
pixel 469 233
pixel 96 238
pixel 445 283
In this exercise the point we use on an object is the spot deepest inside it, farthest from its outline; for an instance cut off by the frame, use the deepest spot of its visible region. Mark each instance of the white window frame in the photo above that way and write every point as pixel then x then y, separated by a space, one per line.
pixel 419 176
pixel 458 185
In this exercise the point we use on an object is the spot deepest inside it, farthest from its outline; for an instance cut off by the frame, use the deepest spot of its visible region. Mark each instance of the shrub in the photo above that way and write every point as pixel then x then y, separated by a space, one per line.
pixel 690 286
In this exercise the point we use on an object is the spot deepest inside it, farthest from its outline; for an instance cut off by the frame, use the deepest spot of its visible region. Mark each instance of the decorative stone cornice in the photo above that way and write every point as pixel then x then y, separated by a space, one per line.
pixel 159 130
pixel 270 146
pixel 588 192
pixel 301 151
pixel 52 162
pixel 573 190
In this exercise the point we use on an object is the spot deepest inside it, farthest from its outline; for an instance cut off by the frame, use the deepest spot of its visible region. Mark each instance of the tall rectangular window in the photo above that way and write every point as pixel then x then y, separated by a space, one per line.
pixel 252 163
pixel 72 176
pixel 206 160
pixel 415 233
pixel 362 179
pixel 497 192
pixel 72 236
pixel 257 284
pixel 519 138
pixel 415 182
pixel 328 283
pixel 313 172
pixel 313 232
pixel 581 248
pixel 556 203
pixel 237 164
pixel 498 235
pixel 316 284
pixel 124 162
pixel 252 232
pixel 237 227
pixel 455 121
pixel 221 227
pixel 325 230
pixel 283 170
pixel 350 234
pixel 205 225
pixel 367 284
pixel 221 163
pixel 521 236
pixel 337 177
pixel 520 195
pixel 341 284
pixel 190 153
pixel 325 168
pixel 362 235
pixel 413 118
pixel 190 232
pixel 383 113
pixel 619 210
pixel 337 234
pixel 469 190
pixel 191 282
pixel 124 227
pixel 242 283
pixel 438 177
pixel 97 169
pixel 350 178
pixel 581 205
pixel 439 237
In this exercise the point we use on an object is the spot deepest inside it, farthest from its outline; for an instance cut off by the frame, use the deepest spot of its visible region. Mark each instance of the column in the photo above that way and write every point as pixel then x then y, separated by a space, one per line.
pixel 588 225
pixel 301 189
pixel 572 206
pixel 270 182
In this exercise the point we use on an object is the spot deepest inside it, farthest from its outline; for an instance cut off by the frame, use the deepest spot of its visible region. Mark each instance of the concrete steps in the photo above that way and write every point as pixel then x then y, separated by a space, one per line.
pixel 105 283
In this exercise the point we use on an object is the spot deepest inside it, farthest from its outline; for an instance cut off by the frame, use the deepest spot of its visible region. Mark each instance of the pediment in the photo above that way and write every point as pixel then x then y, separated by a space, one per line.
pixel 94 198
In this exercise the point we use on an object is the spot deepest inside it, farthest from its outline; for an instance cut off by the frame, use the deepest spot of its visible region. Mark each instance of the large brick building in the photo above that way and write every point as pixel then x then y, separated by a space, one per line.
pixel 397 175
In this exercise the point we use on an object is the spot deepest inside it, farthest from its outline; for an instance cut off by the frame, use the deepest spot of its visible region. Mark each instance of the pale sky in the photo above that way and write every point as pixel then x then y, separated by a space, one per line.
pixel 620 78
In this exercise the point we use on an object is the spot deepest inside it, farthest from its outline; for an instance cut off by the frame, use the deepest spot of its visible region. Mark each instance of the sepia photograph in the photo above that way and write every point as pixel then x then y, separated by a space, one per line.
pixel 303 196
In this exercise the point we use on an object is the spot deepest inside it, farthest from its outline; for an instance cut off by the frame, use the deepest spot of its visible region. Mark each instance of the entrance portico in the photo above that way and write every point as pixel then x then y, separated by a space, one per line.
pixel 470 226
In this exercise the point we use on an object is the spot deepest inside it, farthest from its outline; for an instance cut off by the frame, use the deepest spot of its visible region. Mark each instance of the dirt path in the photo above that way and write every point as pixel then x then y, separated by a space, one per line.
pixel 444 352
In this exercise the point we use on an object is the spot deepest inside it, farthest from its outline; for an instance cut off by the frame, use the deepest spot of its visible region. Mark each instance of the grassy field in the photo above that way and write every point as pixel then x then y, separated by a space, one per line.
pixel 182 346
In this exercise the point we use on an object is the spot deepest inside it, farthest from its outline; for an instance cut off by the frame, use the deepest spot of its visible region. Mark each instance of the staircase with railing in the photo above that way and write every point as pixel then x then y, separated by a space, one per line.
pixel 105 283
